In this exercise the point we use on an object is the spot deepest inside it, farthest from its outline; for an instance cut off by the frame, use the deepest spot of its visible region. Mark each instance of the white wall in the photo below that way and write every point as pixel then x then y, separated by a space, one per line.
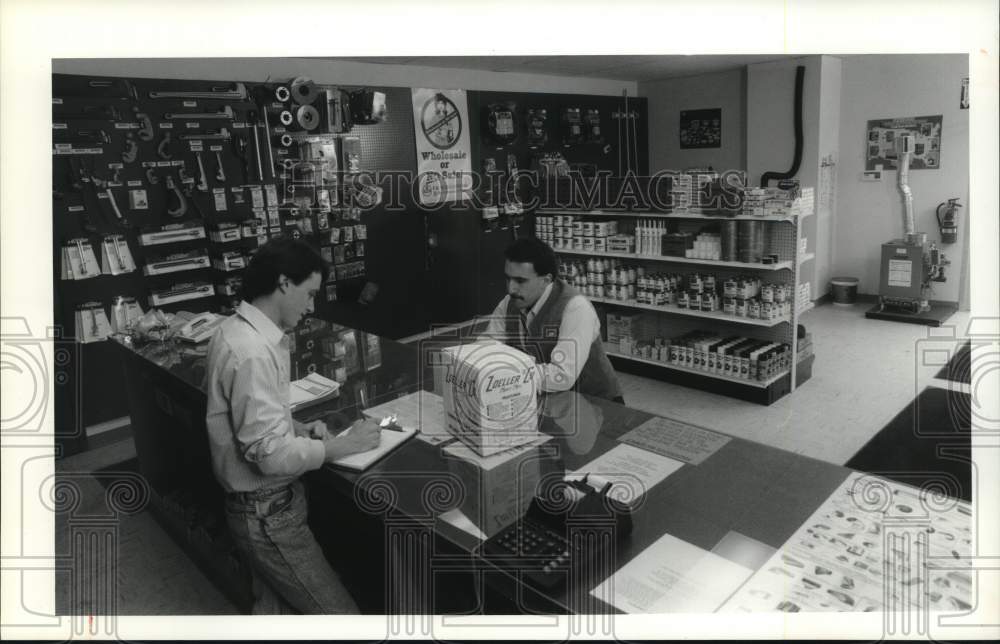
pixel 886 86
pixel 828 148
pixel 771 138
pixel 667 98
pixel 339 72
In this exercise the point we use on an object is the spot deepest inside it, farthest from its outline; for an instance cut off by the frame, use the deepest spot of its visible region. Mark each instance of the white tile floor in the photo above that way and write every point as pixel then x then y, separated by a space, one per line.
pixel 865 372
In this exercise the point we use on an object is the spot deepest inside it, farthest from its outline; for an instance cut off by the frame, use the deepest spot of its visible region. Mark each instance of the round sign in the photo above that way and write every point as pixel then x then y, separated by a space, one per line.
pixel 441 122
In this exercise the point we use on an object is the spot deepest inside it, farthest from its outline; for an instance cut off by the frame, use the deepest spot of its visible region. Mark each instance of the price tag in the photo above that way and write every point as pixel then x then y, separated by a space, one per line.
pixel 126 126
pixel 178 163
pixel 277 106
pixel 237 189
pixel 166 126
pixel 272 194
pixel 75 209
pixel 237 125
pixel 149 164
pixel 192 126
pixel 196 146
pixel 215 148
pixel 164 164
pixel 280 130
pixel 58 126
pixel 190 103
pixel 115 166
pixel 257 197
pixel 134 184
pixel 102 195
pixel 57 101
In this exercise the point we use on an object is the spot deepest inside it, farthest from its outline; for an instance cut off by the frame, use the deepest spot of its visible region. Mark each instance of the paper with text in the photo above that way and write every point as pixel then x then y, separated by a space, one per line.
pixel 672 576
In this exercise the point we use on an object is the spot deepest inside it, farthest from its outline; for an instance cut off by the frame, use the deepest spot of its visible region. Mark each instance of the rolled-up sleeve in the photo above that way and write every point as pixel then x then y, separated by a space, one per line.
pixel 263 424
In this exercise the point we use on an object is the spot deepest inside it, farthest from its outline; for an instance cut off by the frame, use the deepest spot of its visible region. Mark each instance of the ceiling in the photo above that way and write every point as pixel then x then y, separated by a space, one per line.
pixel 624 68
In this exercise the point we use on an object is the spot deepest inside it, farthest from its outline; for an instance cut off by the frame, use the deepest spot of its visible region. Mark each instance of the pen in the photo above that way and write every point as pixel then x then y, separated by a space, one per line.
pixel 389 422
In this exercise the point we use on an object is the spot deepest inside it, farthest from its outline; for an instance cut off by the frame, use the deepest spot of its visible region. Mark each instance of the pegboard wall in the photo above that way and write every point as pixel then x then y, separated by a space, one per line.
pixel 162 157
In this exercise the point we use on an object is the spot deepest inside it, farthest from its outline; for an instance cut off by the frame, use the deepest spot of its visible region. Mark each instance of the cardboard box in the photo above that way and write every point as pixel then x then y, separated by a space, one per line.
pixel 498 488
pixel 489 392
pixel 623 326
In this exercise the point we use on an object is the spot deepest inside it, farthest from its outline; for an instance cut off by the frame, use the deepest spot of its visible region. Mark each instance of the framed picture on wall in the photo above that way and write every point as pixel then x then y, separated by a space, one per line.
pixel 701 128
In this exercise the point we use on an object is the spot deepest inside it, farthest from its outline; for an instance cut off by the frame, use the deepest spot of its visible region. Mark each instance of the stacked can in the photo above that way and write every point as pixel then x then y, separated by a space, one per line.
pixel 699 294
pixel 583 234
pixel 602 277
pixel 545 229
pixel 706 246
pixel 658 289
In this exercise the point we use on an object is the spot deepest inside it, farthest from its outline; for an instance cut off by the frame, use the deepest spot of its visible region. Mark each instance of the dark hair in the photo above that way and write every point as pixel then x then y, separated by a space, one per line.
pixel 293 258
pixel 534 250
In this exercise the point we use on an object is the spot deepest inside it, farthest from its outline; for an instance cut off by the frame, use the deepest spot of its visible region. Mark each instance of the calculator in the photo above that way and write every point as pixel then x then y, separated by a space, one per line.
pixel 539 552
pixel 545 546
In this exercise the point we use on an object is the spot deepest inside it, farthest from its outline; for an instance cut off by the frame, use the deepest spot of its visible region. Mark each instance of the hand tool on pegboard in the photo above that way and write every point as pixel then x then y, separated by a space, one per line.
pixel 225 113
pixel 181 209
pixel 114 88
pixel 237 92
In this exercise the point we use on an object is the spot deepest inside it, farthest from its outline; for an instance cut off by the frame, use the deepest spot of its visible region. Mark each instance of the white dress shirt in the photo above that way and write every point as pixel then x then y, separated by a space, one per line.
pixel 250 428
pixel 578 329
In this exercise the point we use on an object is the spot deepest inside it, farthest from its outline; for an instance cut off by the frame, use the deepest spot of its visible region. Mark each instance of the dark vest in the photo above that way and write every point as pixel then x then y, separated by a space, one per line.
pixel 597 378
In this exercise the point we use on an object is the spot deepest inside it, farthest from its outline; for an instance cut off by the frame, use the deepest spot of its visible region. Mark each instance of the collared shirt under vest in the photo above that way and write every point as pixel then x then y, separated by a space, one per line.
pixel 562 332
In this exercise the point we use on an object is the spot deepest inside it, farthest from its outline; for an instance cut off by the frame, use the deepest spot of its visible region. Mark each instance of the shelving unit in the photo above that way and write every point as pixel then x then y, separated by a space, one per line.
pixel 673 310
pixel 783 236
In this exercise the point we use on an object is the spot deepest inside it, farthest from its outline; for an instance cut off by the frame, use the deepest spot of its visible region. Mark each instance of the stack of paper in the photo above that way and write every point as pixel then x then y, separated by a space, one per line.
pixel 311 390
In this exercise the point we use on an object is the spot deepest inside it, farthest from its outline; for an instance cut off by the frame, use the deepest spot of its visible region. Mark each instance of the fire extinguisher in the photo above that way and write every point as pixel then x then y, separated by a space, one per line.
pixel 948 223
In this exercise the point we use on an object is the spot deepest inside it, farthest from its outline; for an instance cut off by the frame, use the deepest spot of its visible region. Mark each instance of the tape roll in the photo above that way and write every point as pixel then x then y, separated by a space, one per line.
pixel 288 164
pixel 286 140
pixel 304 90
pixel 285 118
pixel 307 117
pixel 282 93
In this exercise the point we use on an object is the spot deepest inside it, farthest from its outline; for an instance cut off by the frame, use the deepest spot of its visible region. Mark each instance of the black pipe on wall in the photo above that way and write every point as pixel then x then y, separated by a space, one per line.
pixel 800 73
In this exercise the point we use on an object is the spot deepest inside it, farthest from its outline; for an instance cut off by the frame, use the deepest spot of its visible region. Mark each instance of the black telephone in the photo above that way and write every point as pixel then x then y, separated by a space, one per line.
pixel 549 540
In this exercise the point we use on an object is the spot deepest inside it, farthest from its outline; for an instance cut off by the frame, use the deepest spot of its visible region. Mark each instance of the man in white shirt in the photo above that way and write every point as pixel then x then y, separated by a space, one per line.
pixel 548 319
pixel 258 450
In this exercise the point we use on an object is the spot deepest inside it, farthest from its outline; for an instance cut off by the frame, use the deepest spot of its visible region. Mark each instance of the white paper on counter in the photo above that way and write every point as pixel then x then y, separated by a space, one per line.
pixel 672 576
pixel 423 410
pixel 836 560
pixel 631 470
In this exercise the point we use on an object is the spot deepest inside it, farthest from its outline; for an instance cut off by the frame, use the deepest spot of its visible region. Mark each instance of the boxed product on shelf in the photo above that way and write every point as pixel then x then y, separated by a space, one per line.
pixel 621 325
pixel 677 244
pixel 176 262
pixel 224 232
pixel 229 261
pixel 621 244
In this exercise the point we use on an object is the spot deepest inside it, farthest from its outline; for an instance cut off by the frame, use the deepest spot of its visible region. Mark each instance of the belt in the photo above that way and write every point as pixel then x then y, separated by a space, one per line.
pixel 251 500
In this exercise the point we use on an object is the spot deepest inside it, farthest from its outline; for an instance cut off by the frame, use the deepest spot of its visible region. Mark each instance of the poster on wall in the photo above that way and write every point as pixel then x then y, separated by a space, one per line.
pixel 444 162
pixel 701 128
pixel 882 135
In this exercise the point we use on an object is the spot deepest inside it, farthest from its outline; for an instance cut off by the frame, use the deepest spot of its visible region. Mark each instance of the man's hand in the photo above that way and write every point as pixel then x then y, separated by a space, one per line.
pixel 362 436
pixel 312 429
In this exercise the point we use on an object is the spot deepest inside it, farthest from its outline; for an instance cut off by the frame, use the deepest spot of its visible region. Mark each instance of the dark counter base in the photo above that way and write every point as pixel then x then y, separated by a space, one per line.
pixel 935 317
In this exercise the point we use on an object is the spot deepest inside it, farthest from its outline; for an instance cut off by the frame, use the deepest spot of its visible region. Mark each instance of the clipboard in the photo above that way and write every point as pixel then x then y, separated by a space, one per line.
pixel 390 441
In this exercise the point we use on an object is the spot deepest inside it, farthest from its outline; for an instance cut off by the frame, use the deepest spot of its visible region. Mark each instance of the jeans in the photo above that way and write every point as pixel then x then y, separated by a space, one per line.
pixel 289 569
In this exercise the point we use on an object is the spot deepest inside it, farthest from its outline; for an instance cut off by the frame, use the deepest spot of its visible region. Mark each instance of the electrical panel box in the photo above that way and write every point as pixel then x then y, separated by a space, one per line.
pixel 902 270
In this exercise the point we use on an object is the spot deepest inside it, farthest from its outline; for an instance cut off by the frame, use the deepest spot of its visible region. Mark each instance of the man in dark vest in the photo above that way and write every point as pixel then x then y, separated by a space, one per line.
pixel 551 321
